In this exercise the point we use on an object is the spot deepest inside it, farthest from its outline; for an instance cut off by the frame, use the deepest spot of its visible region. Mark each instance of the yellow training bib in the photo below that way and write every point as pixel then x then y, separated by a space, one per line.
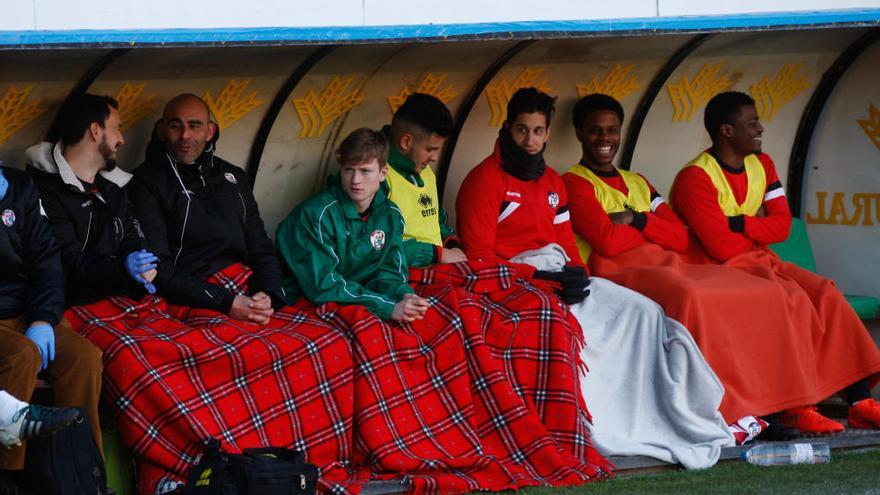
pixel 638 197
pixel 757 180
pixel 420 205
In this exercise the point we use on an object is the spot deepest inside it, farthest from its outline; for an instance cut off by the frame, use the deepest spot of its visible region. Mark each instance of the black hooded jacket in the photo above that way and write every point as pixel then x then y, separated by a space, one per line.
pixel 199 219
pixel 31 281
pixel 94 229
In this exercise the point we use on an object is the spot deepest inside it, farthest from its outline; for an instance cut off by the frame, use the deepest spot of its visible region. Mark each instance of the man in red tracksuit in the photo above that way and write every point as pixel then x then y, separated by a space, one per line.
pixel 731 197
pixel 613 211
pixel 512 202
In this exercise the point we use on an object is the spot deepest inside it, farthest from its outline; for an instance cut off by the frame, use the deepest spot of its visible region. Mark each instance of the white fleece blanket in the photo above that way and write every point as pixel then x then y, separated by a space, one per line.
pixel 649 389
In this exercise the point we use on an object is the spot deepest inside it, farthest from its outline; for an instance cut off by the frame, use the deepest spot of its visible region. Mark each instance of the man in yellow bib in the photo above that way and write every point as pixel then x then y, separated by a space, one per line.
pixel 613 210
pixel 731 197
pixel 628 234
pixel 417 134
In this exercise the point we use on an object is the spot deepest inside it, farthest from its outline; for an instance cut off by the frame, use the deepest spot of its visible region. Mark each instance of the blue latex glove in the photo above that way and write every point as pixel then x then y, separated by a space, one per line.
pixel 4 184
pixel 44 337
pixel 140 262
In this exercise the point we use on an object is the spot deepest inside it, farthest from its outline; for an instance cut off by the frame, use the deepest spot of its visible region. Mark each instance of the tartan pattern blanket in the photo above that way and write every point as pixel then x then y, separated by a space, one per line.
pixel 492 350
pixel 479 395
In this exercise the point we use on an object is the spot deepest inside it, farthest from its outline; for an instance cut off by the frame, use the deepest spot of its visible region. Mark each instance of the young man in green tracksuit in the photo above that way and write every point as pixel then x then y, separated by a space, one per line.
pixel 344 244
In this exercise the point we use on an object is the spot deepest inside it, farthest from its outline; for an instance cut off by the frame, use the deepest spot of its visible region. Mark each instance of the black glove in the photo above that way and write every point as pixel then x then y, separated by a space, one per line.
pixel 574 285
pixel 575 277
pixel 737 224
pixel 573 282
pixel 549 276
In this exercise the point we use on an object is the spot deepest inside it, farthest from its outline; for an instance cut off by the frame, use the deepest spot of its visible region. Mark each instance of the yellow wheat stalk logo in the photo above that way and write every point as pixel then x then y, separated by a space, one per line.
pixel 617 83
pixel 688 94
pixel 871 125
pixel 133 107
pixel 772 94
pixel 499 94
pixel 430 84
pixel 231 104
pixel 14 113
pixel 317 112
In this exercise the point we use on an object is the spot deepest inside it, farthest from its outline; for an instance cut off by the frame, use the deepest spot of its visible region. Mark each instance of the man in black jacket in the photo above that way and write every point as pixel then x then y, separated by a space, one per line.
pixel 103 250
pixel 33 335
pixel 200 217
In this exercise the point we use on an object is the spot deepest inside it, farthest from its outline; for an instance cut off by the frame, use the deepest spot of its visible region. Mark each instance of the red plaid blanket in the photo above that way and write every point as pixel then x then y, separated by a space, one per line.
pixel 177 376
pixel 479 395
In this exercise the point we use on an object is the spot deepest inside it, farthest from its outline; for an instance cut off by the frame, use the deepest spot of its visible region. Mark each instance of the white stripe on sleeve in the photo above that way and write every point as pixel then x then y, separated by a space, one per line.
pixel 562 217
pixel 775 193
pixel 656 202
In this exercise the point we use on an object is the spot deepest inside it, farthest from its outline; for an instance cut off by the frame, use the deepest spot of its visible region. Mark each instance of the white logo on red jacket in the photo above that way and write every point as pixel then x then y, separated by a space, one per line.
pixel 553 199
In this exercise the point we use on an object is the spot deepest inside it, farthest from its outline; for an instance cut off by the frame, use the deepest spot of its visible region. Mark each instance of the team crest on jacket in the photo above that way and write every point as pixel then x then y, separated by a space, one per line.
pixel 8 217
pixel 553 199
pixel 230 177
pixel 377 239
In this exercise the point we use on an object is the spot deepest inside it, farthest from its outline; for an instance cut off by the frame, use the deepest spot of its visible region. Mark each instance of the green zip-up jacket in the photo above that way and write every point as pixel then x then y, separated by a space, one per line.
pixel 331 254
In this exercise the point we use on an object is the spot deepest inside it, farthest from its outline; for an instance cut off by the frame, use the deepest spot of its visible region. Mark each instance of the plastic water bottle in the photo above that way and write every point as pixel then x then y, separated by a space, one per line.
pixel 771 454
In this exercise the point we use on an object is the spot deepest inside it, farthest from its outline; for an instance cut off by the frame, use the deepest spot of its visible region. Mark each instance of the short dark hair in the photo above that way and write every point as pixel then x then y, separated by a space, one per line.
pixel 530 100
pixel 426 112
pixel 361 146
pixel 723 109
pixel 77 113
pixel 594 103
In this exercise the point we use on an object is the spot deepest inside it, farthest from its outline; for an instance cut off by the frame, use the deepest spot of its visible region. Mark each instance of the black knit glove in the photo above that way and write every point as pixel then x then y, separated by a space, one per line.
pixel 574 285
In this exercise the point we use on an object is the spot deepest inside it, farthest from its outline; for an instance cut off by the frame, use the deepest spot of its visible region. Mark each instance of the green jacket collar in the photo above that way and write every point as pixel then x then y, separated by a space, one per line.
pixel 400 162
pixel 348 207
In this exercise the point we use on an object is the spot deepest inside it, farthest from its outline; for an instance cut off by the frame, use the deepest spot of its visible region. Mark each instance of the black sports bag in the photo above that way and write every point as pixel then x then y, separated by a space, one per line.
pixel 265 471
pixel 67 462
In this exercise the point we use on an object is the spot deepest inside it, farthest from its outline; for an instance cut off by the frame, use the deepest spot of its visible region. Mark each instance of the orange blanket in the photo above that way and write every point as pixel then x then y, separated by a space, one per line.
pixel 776 335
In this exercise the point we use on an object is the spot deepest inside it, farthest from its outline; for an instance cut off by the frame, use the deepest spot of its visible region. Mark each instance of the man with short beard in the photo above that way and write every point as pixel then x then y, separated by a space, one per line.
pixel 101 247
pixel 103 250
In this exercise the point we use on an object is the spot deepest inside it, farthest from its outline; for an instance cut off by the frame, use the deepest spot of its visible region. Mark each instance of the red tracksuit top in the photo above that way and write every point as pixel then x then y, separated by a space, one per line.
pixel 696 200
pixel 499 216
pixel 590 220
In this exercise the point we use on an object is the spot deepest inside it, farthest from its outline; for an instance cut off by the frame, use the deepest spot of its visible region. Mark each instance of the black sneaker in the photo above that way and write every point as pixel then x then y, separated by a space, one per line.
pixel 37 421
